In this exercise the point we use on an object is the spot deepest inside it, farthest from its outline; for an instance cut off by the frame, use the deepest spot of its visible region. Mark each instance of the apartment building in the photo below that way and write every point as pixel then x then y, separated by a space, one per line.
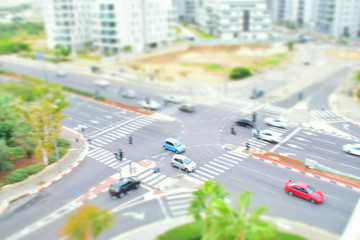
pixel 244 20
pixel 110 26
pixel 336 18
pixel 186 10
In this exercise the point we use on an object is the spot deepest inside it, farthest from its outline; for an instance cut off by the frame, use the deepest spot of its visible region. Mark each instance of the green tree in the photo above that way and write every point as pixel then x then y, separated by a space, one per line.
pixel 61 51
pixel 87 222
pixel 290 45
pixel 5 164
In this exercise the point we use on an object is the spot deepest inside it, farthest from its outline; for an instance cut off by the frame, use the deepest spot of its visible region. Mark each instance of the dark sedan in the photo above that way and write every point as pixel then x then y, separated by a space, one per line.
pixel 122 186
pixel 245 123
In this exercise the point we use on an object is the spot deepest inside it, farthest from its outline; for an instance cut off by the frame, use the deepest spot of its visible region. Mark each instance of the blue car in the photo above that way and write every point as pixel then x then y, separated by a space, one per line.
pixel 173 145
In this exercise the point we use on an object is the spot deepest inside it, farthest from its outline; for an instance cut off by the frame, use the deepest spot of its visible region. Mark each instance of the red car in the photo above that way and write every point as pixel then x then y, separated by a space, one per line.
pixel 304 190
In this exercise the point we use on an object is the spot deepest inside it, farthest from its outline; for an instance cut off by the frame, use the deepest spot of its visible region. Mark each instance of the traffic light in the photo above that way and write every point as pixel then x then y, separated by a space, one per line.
pixel 130 140
pixel 120 155
pixel 254 117
pixel 233 131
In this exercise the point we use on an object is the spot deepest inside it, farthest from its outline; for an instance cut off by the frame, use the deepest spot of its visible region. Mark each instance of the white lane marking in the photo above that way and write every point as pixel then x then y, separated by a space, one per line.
pixel 266 189
pixel 325 150
pixel 233 157
pixel 317 157
pixel 228 160
pixel 181 201
pixel 332 196
pixel 346 165
pixel 202 173
pixel 324 141
pixel 285 139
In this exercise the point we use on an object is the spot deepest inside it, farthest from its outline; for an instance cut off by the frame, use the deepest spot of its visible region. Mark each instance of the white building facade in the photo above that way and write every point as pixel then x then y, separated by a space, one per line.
pixel 244 20
pixel 110 26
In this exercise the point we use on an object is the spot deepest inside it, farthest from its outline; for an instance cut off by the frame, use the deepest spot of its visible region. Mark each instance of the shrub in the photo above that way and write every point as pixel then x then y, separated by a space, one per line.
pixel 52 158
pixel 239 73
pixel 62 151
pixel 63 143
pixel 33 169
pixel 17 176
pixel 7 47
pixel 17 152
pixel 6 166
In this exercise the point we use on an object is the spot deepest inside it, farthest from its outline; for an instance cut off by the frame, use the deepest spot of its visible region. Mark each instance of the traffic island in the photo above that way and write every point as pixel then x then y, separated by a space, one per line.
pixel 299 167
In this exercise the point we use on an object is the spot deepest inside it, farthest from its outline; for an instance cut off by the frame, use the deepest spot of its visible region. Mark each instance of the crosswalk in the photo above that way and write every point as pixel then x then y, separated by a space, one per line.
pixel 218 165
pixel 327 115
pixel 169 110
pixel 121 132
pixel 106 157
pixel 178 204
pixel 273 110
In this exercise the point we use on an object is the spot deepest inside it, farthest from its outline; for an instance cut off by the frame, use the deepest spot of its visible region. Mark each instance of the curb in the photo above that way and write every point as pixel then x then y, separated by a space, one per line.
pixel 307 172
pixel 5 204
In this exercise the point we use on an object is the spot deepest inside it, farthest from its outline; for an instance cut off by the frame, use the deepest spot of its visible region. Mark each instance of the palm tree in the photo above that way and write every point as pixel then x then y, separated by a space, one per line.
pixel 87 222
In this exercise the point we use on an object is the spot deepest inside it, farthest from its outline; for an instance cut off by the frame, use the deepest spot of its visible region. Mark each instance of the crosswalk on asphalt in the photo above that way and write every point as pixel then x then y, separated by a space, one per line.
pixel 218 165
pixel 273 110
pixel 169 110
pixel 327 115
pixel 106 157
pixel 178 204
pixel 121 132
pixel 155 180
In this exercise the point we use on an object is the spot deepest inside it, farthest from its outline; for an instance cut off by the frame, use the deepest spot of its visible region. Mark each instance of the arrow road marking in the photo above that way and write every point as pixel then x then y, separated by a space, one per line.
pixel 302 139
pixel 294 146
pixel 287 154
pixel 138 216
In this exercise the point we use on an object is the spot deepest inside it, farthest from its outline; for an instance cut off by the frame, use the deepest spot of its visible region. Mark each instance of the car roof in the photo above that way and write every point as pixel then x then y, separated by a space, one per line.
pixel 245 120
pixel 171 140
pixel 302 185
pixel 179 156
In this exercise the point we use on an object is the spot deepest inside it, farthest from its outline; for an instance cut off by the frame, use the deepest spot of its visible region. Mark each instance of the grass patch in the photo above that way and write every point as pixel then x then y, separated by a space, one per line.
pixel 280 55
pixel 199 32
pixel 89 58
pixel 190 231
pixel 213 67
pixel 272 62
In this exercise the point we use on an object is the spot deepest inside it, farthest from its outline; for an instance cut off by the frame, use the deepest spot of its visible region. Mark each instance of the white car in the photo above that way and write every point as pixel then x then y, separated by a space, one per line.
pixel 150 104
pixel 267 135
pixel 61 74
pixel 128 94
pixel 352 148
pixel 183 162
pixel 276 122
pixel 173 99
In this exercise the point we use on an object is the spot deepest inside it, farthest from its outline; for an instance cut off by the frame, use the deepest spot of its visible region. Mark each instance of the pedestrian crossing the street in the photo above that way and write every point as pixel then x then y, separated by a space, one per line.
pixel 327 115
pixel 178 204
pixel 121 132
pixel 218 165
pixel 273 110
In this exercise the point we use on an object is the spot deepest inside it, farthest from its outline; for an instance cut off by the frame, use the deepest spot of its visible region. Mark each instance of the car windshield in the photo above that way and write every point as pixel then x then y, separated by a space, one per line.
pixel 310 189
pixel 186 161
pixel 177 144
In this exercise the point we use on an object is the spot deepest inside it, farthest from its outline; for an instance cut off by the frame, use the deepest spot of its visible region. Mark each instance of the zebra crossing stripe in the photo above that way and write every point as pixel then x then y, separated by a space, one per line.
pixel 214 168
pixel 133 128
pixel 233 157
pixel 209 171
pixel 158 179
pixel 149 177
pixel 218 165
pixel 111 137
pixel 99 154
pixel 222 162
pixel 138 124
pixel 204 173
pixel 179 201
pixel 179 207
pixel 228 160
pixel 96 151
pixel 123 163
pixel 114 135
pixel 201 177
pixel 110 160
pixel 244 155
pixel 125 132
pixel 177 196
pixel 145 120
pixel 144 174
pixel 106 157
pixel 257 142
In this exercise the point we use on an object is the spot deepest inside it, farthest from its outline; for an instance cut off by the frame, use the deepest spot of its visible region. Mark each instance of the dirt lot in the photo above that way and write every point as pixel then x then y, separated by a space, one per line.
pixel 210 63
pixel 350 54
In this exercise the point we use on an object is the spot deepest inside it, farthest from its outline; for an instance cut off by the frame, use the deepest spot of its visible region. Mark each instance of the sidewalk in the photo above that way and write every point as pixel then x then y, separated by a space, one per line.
pixel 51 174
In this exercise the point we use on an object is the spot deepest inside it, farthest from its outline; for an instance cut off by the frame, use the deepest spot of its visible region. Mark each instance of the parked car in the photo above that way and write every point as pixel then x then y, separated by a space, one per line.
pixel 187 107
pixel 183 162
pixel 150 104
pixel 303 190
pixel 352 148
pixel 276 122
pixel 122 186
pixel 257 94
pixel 245 123
pixel 173 99
pixel 61 74
pixel 267 135
pixel 174 145
pixel 128 94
